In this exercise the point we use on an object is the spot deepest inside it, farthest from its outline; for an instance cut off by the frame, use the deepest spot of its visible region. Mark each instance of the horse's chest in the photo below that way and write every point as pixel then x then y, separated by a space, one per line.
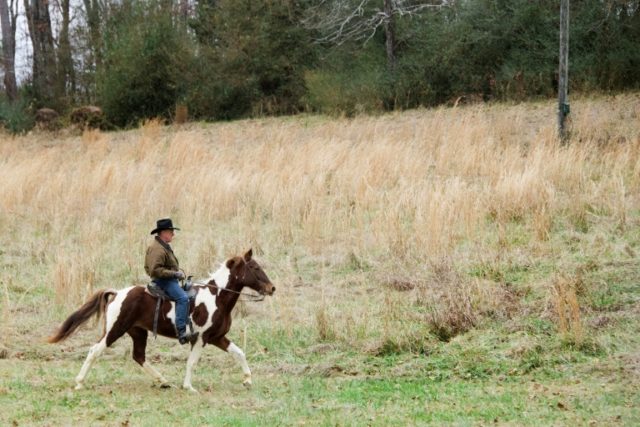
pixel 207 317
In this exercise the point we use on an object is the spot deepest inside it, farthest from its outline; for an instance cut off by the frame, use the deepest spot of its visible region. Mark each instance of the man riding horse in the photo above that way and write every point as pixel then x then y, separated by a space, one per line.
pixel 162 265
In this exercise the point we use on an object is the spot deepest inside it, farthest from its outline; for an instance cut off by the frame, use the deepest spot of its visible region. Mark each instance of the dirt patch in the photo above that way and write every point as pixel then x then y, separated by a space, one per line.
pixel 400 285
pixel 601 322
pixel 322 348
pixel 292 369
pixel 631 363
pixel 331 370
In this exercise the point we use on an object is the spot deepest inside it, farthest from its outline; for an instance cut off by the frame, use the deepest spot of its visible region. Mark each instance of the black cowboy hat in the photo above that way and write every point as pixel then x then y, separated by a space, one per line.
pixel 164 224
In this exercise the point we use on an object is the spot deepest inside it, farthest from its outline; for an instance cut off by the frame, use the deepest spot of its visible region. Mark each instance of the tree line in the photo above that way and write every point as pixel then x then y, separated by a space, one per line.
pixel 227 59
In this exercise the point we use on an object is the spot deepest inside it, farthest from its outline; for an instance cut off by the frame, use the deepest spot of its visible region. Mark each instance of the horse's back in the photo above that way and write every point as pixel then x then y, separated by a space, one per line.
pixel 133 306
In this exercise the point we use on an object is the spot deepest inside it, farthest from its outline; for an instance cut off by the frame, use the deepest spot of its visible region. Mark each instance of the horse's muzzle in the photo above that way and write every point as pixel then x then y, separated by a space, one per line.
pixel 268 289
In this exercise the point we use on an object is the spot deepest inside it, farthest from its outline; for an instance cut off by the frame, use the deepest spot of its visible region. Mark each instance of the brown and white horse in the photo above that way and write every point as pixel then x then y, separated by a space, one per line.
pixel 131 311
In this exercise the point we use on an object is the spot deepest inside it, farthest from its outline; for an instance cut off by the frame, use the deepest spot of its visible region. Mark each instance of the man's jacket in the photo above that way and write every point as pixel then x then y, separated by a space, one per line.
pixel 160 262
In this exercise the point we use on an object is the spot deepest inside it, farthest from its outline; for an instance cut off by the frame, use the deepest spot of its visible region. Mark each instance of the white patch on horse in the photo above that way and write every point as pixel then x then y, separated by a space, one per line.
pixel 114 308
pixel 171 315
pixel 204 296
pixel 221 277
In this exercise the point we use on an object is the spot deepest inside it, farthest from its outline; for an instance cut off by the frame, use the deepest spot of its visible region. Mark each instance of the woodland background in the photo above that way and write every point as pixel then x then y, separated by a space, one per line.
pixel 227 59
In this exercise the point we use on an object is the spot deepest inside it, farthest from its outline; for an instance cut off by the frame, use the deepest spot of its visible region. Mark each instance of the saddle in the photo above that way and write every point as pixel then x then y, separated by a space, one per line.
pixel 155 291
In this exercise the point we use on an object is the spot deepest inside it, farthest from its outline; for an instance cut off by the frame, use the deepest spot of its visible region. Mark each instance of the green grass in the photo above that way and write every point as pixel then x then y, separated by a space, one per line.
pixel 514 371
pixel 510 369
pixel 459 385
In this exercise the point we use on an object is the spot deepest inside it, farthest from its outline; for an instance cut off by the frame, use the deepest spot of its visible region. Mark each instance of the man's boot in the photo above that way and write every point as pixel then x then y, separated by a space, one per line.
pixel 184 337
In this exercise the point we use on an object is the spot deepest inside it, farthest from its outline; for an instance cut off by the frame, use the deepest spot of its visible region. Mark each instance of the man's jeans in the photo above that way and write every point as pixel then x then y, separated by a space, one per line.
pixel 175 292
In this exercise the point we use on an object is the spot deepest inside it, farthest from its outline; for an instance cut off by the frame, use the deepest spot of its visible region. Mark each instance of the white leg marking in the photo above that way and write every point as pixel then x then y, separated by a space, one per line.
pixel 95 351
pixel 238 354
pixel 113 311
pixel 194 356
pixel 154 373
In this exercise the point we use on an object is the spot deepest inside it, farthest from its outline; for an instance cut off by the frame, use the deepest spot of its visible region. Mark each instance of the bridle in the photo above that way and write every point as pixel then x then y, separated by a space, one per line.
pixel 250 297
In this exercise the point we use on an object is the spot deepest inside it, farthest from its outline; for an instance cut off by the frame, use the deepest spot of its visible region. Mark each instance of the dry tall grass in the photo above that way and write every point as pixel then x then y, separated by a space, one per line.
pixel 565 300
pixel 320 200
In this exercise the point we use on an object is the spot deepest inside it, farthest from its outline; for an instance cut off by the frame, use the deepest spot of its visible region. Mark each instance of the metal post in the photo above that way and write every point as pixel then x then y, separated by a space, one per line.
pixel 563 69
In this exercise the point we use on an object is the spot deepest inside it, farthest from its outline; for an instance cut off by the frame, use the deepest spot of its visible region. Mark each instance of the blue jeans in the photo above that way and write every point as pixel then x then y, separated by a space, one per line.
pixel 175 292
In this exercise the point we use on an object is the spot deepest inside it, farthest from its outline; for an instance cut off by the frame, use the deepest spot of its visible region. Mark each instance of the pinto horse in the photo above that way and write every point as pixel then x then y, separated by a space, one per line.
pixel 131 311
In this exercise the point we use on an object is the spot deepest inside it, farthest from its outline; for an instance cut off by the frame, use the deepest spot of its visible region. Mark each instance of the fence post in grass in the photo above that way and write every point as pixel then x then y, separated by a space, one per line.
pixel 563 70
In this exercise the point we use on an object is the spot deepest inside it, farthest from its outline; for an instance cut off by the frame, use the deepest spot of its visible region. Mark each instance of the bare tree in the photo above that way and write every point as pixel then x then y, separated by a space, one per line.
pixel 563 68
pixel 44 55
pixel 94 10
pixel 390 34
pixel 340 21
pixel 66 71
pixel 8 16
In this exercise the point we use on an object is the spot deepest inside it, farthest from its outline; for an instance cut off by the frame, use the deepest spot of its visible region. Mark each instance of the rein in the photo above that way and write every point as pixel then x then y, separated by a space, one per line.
pixel 250 297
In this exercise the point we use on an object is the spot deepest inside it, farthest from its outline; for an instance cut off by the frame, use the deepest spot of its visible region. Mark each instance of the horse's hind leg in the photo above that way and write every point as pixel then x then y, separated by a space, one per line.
pixel 139 337
pixel 115 326
pixel 237 354
pixel 95 351
pixel 109 338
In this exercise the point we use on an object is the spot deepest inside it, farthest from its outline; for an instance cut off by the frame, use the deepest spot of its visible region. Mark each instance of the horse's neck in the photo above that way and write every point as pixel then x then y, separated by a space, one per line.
pixel 228 300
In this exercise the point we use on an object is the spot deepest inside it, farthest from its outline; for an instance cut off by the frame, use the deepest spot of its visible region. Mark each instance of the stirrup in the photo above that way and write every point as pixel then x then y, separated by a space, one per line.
pixel 188 338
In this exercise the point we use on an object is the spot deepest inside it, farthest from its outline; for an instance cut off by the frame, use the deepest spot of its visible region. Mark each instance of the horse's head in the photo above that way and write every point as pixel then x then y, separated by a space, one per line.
pixel 249 273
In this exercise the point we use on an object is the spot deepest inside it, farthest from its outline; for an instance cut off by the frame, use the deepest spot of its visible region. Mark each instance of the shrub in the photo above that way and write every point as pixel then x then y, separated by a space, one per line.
pixel 251 60
pixel 142 75
pixel 449 302
pixel 340 92
pixel 16 117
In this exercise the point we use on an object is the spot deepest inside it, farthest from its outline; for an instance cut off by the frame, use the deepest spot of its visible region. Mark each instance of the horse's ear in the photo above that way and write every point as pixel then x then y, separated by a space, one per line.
pixel 248 255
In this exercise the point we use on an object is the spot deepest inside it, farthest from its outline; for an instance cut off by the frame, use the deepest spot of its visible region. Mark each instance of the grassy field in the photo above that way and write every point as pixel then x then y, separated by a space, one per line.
pixel 450 266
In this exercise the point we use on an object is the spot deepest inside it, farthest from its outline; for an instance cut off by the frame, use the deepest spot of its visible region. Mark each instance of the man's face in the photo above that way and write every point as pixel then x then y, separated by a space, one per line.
pixel 166 235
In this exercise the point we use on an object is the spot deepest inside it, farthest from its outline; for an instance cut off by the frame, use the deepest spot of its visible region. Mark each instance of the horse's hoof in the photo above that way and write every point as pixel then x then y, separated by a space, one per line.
pixel 165 385
pixel 79 386
pixel 191 389
pixel 247 383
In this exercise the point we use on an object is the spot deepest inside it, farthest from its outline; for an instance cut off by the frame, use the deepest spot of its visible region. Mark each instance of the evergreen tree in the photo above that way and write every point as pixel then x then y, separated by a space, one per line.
pixel 142 72
pixel 252 59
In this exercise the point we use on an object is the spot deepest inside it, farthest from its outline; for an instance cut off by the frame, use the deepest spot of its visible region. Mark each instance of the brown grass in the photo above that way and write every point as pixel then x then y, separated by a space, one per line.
pixel 331 204
pixel 567 307
pixel 449 299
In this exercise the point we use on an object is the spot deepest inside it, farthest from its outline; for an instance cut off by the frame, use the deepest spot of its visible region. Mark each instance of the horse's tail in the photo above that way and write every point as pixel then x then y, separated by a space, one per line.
pixel 96 305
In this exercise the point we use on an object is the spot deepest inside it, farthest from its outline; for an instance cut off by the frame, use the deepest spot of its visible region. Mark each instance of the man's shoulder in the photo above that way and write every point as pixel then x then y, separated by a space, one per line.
pixel 155 246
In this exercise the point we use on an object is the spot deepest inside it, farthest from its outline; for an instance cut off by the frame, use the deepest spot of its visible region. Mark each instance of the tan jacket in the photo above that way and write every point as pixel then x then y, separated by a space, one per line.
pixel 160 261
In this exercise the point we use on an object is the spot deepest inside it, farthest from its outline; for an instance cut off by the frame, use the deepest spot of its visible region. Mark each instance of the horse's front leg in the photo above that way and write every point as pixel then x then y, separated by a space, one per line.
pixel 194 356
pixel 237 354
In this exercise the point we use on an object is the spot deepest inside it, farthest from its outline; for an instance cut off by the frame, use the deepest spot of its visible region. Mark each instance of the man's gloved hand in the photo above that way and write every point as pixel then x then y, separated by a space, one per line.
pixel 178 275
